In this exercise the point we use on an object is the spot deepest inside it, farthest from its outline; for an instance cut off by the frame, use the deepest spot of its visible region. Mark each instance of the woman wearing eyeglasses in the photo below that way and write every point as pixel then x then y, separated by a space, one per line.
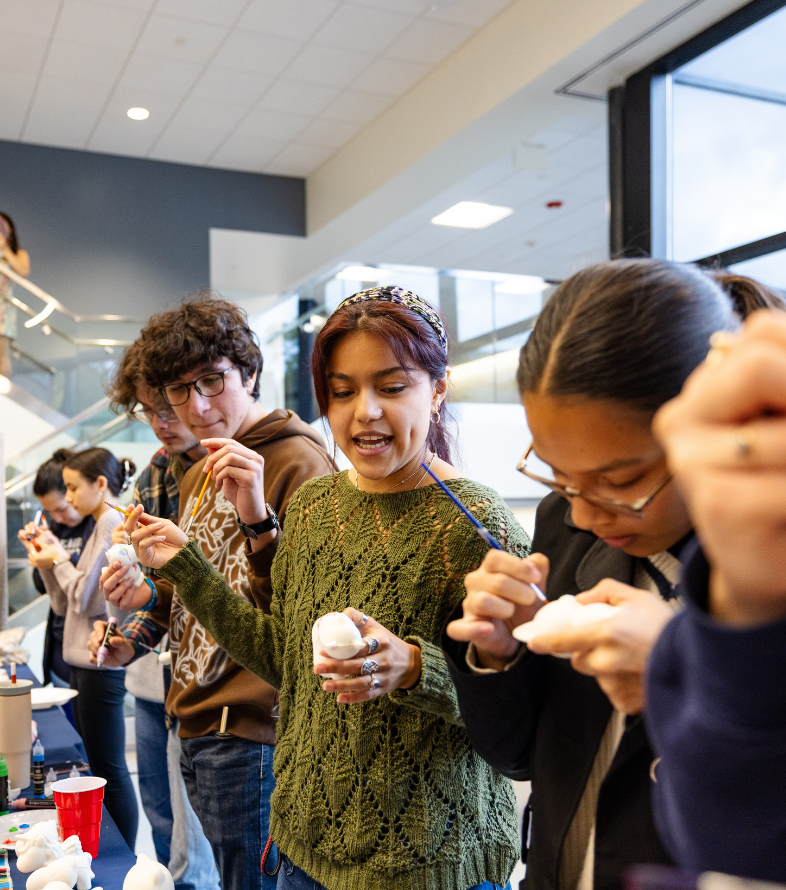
pixel 612 345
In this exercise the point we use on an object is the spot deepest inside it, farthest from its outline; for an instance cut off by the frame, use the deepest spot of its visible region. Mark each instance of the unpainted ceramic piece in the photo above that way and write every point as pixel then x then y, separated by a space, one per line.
pixel 562 614
pixel 124 554
pixel 337 636
pixel 148 875
pixel 59 885
pixel 62 871
pixel 38 847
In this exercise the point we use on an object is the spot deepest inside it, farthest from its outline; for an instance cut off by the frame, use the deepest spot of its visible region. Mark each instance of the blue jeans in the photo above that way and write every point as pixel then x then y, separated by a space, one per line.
pixel 229 783
pixel 290 877
pixel 191 865
pixel 151 736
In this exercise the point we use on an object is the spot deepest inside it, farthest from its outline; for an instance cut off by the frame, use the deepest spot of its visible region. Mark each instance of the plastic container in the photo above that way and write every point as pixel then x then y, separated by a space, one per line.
pixel 80 804
pixel 16 719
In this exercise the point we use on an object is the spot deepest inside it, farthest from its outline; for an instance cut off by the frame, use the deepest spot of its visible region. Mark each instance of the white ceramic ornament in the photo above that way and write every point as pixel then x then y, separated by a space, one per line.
pixel 38 847
pixel 84 873
pixel 57 885
pixel 124 554
pixel 62 871
pixel 336 635
pixel 561 614
pixel 72 846
pixel 148 875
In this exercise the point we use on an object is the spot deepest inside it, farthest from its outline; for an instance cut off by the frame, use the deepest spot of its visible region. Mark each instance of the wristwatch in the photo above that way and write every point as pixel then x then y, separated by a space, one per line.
pixel 260 528
pixel 58 559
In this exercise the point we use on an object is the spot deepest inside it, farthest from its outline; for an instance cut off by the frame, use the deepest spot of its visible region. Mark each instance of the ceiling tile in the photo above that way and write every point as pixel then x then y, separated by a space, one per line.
pixel 327 133
pixel 185 145
pixel 265 123
pixel 17 17
pixel 217 117
pixel 108 26
pixel 246 153
pixel 473 13
pixel 407 7
pixel 390 77
pixel 18 88
pixel 428 42
pixel 80 61
pixel 71 95
pixel 356 107
pixel 219 84
pixel 257 53
pixel 298 19
pixel 320 64
pixel 179 39
pixel 307 98
pixel 65 112
pixel 128 4
pixel 21 53
pixel 362 28
pixel 159 75
pixel 297 160
pixel 223 13
pixel 123 137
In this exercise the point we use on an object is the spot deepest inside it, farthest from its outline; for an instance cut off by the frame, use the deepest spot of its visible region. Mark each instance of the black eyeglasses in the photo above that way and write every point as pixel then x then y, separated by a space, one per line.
pixel 635 509
pixel 208 385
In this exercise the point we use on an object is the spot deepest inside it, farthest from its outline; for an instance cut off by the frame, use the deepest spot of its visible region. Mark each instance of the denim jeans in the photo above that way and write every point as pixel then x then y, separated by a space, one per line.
pixel 228 781
pixel 151 735
pixel 191 865
pixel 290 877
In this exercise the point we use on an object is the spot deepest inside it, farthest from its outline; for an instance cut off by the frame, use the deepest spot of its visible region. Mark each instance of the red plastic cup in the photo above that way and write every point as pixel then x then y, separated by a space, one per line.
pixel 79 803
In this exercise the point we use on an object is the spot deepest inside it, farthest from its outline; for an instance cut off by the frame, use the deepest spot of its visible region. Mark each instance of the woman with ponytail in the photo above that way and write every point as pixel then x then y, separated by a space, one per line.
pixel 386 793
pixel 613 344
pixel 92 478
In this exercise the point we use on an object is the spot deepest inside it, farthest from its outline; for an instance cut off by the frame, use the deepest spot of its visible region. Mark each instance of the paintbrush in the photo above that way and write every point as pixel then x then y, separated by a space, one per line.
pixel 481 529
pixel 187 529
pixel 120 510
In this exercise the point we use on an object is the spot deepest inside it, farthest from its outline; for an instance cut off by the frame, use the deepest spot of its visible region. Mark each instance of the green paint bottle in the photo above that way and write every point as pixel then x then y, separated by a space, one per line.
pixel 4 788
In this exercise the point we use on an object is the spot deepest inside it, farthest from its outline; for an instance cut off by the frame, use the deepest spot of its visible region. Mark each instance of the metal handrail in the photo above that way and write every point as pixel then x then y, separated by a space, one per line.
pixel 109 428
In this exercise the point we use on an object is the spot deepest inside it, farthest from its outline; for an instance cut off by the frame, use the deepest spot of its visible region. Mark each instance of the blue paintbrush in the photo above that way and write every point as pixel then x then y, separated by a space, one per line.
pixel 479 527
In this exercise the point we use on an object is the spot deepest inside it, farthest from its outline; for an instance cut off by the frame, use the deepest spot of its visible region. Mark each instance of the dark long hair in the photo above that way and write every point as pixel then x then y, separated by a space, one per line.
pixel 13 241
pixel 95 462
pixel 412 340
pixel 632 331
pixel 50 474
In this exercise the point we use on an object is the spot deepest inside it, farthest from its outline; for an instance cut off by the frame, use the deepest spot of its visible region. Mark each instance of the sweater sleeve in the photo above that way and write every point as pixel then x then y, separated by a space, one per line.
pixel 435 691
pixel 248 635
pixel 716 715
pixel 80 583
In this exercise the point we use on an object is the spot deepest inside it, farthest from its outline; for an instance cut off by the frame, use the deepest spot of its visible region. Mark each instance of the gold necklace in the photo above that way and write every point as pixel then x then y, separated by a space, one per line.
pixel 433 456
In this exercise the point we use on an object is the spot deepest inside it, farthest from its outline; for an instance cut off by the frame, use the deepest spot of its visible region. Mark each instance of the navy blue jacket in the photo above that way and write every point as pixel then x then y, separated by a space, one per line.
pixel 716 716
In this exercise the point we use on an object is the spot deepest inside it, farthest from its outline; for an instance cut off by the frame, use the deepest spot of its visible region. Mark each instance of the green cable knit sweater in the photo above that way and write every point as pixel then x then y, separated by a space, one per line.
pixel 387 794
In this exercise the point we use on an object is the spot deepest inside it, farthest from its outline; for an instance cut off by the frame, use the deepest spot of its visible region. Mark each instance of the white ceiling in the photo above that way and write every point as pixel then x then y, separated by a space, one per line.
pixel 272 86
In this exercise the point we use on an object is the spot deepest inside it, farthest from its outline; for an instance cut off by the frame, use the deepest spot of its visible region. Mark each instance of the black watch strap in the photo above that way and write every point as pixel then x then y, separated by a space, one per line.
pixel 260 528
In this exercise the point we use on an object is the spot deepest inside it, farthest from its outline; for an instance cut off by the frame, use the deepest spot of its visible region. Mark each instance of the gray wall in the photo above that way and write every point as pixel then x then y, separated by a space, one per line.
pixel 109 234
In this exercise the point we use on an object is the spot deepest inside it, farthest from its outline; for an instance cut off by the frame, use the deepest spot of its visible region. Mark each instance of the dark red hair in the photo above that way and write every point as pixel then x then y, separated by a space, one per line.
pixel 411 339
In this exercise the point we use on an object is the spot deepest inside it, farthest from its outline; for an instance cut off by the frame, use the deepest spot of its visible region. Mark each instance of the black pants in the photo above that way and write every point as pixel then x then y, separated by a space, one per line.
pixel 98 710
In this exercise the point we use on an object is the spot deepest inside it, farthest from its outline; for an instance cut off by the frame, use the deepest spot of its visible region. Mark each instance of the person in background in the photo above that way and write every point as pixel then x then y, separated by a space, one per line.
pixel 205 362
pixel 19 260
pixel 613 343
pixel 93 477
pixel 716 697
pixel 71 530
pixel 179 840
pixel 377 786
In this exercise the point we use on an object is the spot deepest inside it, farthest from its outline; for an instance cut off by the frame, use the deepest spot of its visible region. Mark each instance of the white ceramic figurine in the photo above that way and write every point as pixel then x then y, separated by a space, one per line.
pixel 124 554
pixel 61 871
pixel 148 875
pixel 336 635
pixel 561 614
pixel 38 847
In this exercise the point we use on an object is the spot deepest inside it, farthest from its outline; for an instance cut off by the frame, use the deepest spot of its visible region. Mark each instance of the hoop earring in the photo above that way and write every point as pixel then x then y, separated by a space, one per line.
pixel 431 417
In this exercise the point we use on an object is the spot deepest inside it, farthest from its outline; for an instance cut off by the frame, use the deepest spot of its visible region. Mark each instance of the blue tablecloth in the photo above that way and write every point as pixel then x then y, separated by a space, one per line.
pixel 62 742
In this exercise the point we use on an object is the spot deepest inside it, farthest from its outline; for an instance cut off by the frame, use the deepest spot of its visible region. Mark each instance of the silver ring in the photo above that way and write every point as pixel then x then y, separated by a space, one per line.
pixel 130 542
pixel 375 684
pixel 373 644
pixel 362 621
pixel 369 667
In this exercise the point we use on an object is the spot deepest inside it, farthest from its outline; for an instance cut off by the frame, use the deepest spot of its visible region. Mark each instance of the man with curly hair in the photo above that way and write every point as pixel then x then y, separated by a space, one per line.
pixel 205 362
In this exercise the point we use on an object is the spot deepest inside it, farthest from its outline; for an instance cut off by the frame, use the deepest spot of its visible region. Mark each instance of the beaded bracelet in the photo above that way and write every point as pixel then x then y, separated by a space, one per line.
pixel 148 607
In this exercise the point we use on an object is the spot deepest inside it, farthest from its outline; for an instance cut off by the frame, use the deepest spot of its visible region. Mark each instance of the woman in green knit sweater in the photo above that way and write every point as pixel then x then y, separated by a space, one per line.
pixel 387 793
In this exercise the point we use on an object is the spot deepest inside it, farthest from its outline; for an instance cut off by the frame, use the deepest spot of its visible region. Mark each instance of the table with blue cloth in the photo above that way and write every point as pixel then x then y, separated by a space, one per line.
pixel 62 743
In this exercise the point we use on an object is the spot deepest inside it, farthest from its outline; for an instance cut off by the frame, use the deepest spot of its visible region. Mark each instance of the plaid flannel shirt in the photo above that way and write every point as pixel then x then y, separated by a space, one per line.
pixel 158 490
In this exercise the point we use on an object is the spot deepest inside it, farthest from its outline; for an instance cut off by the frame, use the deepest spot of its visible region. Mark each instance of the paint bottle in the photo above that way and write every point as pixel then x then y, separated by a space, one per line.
pixel 38 769
pixel 74 774
pixel 103 649
pixel 51 777
pixel 4 787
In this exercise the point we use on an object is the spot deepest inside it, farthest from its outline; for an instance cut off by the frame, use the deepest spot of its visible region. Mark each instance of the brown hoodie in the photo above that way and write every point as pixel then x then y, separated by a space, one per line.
pixel 204 677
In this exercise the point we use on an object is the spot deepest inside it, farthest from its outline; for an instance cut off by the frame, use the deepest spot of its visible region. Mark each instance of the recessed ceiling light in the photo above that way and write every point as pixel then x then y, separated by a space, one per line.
pixel 362 273
pixel 521 284
pixel 471 215
pixel 138 114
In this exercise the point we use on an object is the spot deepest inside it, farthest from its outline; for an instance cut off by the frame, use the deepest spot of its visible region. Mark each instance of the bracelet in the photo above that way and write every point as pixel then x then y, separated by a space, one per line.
pixel 148 607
